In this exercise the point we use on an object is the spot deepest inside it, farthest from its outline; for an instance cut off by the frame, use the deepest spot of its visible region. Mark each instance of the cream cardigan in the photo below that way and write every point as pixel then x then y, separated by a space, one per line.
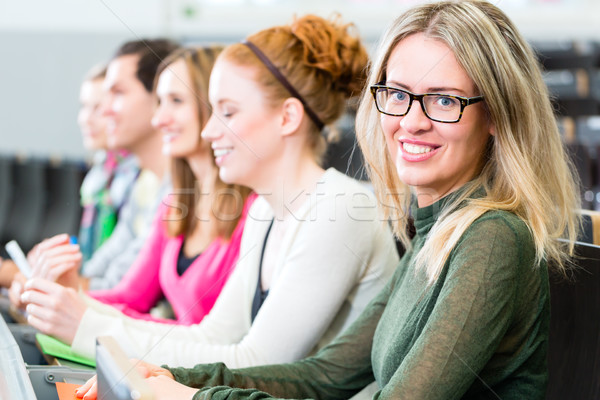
pixel 334 259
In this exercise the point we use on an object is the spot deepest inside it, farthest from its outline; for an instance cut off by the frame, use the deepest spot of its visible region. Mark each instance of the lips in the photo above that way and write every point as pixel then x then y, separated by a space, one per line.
pixel 111 126
pixel 221 153
pixel 169 137
pixel 415 151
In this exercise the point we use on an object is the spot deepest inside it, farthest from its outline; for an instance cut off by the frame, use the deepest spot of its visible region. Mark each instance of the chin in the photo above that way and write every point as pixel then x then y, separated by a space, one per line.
pixel 228 176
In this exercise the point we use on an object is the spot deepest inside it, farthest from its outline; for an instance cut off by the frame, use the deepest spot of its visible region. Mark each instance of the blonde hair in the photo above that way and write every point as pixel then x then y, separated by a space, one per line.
pixel 322 59
pixel 225 201
pixel 526 170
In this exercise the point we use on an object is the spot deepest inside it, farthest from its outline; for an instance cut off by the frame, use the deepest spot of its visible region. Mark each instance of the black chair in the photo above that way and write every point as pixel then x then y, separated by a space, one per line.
pixel 584 163
pixel 588 135
pixel 574 343
pixel 588 130
pixel 28 203
pixel 63 209
pixel 595 84
pixel 345 154
pixel 6 190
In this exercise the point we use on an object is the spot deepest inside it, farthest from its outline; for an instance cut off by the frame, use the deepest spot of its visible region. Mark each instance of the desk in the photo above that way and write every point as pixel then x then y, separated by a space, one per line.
pixel 14 380
pixel 19 380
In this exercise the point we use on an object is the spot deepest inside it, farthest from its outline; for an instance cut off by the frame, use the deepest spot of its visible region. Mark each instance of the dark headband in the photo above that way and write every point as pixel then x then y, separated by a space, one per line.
pixel 282 79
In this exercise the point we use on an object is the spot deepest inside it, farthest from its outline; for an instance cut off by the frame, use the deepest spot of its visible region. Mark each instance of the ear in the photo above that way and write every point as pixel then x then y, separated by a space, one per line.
pixel 492 129
pixel 292 115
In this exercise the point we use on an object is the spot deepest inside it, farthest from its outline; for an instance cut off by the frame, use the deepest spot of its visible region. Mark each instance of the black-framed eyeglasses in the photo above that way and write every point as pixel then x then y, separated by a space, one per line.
pixel 436 106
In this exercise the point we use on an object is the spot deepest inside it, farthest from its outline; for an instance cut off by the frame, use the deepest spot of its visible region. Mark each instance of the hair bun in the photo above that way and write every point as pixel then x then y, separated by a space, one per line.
pixel 330 46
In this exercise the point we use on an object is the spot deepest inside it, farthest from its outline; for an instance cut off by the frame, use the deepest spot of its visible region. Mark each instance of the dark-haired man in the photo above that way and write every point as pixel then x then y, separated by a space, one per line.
pixel 128 106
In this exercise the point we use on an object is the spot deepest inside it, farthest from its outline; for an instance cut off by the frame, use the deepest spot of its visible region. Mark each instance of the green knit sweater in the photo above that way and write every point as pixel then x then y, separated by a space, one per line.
pixel 480 331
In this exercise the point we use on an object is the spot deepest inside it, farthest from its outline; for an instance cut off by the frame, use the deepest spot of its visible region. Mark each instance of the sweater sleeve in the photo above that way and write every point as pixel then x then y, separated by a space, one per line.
pixel 339 370
pixel 157 342
pixel 139 290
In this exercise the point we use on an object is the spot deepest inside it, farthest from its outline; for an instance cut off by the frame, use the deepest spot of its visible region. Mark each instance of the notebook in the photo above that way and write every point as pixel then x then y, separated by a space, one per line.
pixel 56 348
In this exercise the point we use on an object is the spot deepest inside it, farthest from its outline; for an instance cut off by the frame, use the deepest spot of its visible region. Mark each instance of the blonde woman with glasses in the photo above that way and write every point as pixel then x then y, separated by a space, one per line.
pixel 455 124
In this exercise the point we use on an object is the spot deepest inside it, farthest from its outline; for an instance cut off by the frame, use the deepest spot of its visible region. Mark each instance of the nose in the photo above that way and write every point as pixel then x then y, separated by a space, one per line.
pixel 415 120
pixel 161 118
pixel 211 131
pixel 106 106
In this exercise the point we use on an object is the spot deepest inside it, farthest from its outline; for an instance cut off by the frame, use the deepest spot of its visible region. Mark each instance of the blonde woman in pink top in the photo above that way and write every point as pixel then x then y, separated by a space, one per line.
pixel 194 241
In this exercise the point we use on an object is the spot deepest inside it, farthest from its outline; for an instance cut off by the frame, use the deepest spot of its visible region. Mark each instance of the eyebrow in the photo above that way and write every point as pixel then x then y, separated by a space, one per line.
pixel 434 89
pixel 225 100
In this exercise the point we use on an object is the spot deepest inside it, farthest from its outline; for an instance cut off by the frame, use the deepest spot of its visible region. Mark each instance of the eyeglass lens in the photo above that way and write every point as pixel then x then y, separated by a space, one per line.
pixel 397 102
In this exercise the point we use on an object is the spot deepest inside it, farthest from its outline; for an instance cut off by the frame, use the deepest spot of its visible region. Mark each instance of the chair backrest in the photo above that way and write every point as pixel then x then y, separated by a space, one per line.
pixel 63 210
pixel 28 203
pixel 6 190
pixel 345 154
pixel 574 343
pixel 584 164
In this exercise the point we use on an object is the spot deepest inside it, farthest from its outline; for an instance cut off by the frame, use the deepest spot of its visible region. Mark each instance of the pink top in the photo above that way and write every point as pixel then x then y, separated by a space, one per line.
pixel 154 275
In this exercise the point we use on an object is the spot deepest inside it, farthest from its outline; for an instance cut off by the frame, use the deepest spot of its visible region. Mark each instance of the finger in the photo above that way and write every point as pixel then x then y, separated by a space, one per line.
pixel 39 312
pixel 58 271
pixel 39 324
pixel 57 253
pixel 14 293
pixel 33 255
pixel 144 372
pixel 65 262
pixel 83 389
pixel 45 264
pixel 37 297
pixel 62 249
pixel 41 255
pixel 45 286
pixel 56 240
pixel 92 393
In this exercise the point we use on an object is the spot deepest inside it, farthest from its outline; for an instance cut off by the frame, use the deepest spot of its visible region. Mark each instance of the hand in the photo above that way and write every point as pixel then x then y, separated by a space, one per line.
pixel 57 260
pixel 16 290
pixel 158 378
pixel 148 370
pixel 89 390
pixel 8 269
pixel 35 253
pixel 53 309
pixel 169 389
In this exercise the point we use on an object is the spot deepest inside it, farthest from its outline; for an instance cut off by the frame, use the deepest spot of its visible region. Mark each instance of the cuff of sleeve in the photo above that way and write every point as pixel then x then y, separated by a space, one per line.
pixel 200 375
pixel 84 342
pixel 96 321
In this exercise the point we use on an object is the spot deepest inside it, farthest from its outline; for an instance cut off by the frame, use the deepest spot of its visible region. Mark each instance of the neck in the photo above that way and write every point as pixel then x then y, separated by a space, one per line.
pixel 202 167
pixel 292 180
pixel 149 154
pixel 205 174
